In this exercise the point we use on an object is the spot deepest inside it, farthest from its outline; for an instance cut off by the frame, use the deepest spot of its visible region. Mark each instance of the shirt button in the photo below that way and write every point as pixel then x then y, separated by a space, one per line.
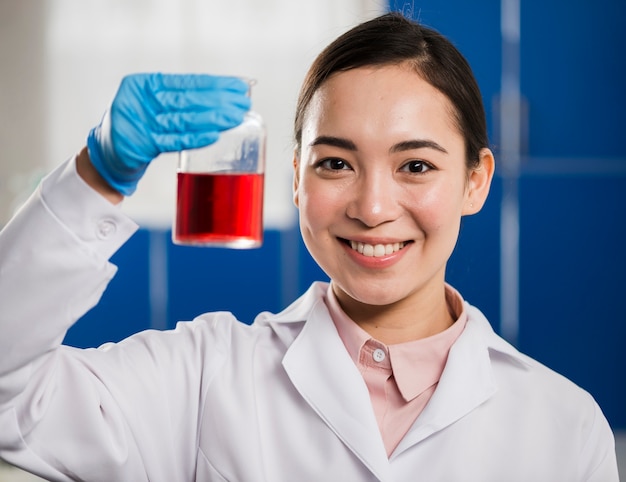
pixel 105 229
pixel 379 355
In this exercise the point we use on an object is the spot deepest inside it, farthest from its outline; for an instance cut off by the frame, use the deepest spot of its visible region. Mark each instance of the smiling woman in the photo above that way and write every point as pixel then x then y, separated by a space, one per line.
pixel 382 170
pixel 386 370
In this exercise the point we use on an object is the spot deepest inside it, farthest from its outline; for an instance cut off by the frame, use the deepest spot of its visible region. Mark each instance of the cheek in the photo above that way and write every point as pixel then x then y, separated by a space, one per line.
pixel 319 202
pixel 318 212
pixel 317 206
pixel 439 208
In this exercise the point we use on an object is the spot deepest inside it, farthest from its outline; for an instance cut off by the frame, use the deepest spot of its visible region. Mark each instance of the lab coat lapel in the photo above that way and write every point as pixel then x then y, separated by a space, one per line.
pixel 466 382
pixel 322 371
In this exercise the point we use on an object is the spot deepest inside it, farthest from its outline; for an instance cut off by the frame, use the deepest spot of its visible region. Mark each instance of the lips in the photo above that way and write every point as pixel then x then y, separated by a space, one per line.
pixel 376 250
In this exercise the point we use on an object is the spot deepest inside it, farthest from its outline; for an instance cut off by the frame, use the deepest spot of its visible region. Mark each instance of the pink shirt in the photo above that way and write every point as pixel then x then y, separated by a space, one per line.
pixel 401 378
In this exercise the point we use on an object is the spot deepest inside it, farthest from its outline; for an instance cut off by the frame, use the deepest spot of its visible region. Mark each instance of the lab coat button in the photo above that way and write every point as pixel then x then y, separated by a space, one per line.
pixel 379 355
pixel 105 229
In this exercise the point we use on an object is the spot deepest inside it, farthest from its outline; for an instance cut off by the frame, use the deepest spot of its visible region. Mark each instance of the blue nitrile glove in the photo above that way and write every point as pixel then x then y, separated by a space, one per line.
pixel 155 113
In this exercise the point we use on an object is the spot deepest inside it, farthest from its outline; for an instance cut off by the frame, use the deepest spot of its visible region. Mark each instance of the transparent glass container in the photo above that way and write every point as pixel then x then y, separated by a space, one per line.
pixel 219 199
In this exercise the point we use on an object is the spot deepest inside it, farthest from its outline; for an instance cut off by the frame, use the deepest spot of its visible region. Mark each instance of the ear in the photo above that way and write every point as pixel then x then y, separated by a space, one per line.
pixel 479 182
pixel 296 179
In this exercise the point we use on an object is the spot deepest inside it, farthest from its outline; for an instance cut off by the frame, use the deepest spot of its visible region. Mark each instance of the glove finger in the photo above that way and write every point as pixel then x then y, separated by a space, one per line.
pixel 197 81
pixel 200 99
pixel 197 122
pixel 177 142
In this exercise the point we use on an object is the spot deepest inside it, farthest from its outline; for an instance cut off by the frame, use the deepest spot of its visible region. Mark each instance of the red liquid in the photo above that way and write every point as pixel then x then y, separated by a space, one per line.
pixel 222 209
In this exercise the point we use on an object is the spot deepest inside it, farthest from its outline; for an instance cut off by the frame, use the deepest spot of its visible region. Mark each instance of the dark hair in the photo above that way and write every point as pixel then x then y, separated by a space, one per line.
pixel 393 39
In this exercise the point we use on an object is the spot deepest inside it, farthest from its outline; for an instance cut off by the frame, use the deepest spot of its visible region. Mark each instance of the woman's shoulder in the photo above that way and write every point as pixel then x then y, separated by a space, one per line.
pixel 521 373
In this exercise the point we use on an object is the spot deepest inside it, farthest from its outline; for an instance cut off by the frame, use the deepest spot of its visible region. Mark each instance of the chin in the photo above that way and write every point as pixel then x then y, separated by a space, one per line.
pixel 375 295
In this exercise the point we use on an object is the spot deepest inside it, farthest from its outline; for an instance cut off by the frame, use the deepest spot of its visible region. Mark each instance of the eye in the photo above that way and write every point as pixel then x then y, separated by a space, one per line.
pixel 333 164
pixel 417 166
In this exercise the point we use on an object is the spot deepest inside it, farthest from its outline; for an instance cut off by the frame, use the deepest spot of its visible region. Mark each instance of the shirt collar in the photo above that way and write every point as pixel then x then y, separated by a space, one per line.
pixel 416 365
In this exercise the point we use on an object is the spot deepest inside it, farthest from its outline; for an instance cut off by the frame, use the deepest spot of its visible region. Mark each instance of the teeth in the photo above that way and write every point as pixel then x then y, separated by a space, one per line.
pixel 376 250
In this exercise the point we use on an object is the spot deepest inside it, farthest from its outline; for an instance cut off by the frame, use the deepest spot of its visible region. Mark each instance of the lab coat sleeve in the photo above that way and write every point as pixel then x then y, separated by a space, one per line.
pixel 69 414
pixel 53 268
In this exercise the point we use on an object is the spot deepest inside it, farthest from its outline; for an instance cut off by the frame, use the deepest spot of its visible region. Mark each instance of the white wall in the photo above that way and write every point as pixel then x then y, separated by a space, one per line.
pixel 77 51
pixel 22 102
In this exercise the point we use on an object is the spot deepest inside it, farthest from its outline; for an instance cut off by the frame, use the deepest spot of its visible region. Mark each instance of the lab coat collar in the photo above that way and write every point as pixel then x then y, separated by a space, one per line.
pixel 316 357
pixel 286 323
pixel 322 371
pixel 467 380
pixel 299 311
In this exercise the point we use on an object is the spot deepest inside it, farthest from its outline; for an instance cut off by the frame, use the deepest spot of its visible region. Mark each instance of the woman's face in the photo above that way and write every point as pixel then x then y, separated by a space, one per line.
pixel 381 184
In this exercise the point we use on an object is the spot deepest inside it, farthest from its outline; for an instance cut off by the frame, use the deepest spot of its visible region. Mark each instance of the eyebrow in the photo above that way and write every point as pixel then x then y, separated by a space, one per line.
pixel 417 144
pixel 399 147
pixel 335 142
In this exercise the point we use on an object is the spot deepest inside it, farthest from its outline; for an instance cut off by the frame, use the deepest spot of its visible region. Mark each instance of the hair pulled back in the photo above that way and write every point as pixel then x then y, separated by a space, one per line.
pixel 393 39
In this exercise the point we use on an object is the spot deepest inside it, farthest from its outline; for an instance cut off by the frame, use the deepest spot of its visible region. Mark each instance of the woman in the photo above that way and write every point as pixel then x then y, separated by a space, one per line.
pixel 384 374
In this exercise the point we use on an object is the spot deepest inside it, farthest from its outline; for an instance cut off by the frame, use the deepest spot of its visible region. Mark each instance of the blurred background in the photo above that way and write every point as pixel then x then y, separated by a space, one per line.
pixel 545 259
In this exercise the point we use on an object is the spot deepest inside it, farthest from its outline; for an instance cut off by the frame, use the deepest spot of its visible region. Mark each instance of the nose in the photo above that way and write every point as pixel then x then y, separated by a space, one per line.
pixel 374 200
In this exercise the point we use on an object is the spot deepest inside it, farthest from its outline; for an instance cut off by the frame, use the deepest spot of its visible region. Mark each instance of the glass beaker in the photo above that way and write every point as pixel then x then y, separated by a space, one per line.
pixel 220 189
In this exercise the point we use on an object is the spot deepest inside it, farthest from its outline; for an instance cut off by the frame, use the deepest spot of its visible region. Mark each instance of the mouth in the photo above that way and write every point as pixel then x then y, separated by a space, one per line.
pixel 375 250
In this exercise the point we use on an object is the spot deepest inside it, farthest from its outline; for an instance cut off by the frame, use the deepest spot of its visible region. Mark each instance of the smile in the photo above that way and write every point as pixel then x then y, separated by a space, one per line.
pixel 376 250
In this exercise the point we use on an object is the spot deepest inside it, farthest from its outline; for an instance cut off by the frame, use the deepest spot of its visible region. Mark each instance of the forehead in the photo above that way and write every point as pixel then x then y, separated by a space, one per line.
pixel 388 100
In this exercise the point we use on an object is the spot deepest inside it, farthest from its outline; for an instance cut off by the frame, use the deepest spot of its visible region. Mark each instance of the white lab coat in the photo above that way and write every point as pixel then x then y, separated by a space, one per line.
pixel 278 401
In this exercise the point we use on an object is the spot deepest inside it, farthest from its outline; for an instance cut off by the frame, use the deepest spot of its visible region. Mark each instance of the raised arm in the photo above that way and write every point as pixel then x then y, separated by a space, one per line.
pixel 69 414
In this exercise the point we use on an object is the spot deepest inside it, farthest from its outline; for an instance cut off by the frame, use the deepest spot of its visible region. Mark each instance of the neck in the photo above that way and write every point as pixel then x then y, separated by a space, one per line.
pixel 405 320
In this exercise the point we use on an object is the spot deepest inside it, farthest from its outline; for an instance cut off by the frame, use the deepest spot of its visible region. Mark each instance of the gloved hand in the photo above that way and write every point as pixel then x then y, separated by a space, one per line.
pixel 155 113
